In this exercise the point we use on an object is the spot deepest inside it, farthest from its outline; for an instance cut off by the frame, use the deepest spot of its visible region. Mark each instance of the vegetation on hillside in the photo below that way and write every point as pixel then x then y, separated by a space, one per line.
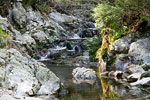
pixel 119 18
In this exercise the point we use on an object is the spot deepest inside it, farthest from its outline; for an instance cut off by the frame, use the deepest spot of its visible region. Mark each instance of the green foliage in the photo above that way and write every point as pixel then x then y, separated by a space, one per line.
pixel 104 14
pixel 3 36
pixel 4 6
pixel 29 2
pixel 119 17
pixel 43 8
pixel 92 45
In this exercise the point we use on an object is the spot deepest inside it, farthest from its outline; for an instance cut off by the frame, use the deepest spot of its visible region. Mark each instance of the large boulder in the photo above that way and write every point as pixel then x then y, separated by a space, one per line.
pixel 81 75
pixel 19 14
pixel 62 18
pixel 26 76
pixel 122 44
pixel 133 72
pixel 140 50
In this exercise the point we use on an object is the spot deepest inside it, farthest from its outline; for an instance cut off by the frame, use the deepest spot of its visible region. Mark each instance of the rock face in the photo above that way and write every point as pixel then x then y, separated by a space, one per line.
pixel 140 50
pixel 122 44
pixel 84 75
pixel 26 76
pixel 62 18
pixel 18 13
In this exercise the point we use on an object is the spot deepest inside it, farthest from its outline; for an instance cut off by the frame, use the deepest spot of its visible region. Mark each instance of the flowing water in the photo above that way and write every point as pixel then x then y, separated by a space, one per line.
pixel 83 91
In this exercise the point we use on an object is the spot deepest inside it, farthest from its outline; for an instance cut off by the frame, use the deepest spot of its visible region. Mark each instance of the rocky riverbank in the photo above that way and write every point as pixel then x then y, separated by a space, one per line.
pixel 23 77
pixel 33 33
pixel 131 63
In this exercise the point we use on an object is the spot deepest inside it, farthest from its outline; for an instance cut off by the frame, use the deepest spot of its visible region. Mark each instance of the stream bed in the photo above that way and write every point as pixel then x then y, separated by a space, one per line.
pixel 72 91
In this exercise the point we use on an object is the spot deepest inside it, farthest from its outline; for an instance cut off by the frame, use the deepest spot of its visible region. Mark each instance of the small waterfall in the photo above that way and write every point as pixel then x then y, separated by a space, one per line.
pixel 43 58
pixel 52 52
pixel 77 49
pixel 76 36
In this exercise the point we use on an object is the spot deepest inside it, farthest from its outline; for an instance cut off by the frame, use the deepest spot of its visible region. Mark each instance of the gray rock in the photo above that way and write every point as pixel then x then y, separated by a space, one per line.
pixel 61 18
pixel 134 69
pixel 146 74
pixel 84 75
pixel 50 84
pixel 140 50
pixel 134 77
pixel 144 81
pixel 19 14
pixel 29 40
pixel 10 97
pixel 2 62
pixel 26 76
pixel 2 76
pixel 40 36
pixel 135 91
pixel 122 44
pixel 6 26
pixel 34 19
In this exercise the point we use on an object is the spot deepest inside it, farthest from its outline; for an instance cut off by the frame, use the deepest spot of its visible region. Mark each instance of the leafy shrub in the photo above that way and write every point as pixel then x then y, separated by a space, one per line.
pixel 119 17
pixel 92 44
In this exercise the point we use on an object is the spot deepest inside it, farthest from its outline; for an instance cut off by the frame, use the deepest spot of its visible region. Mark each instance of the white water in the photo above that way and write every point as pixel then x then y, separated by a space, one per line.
pixel 75 37
pixel 57 48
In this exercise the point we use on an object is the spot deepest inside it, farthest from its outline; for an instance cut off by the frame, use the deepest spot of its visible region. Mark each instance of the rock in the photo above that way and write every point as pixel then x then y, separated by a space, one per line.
pixel 62 18
pixel 2 76
pixel 145 74
pixel 140 50
pixel 144 81
pixel 34 19
pixel 115 74
pixel 104 74
pixel 2 62
pixel 10 97
pixel 84 75
pixel 6 26
pixel 134 77
pixel 50 84
pixel 122 44
pixel 121 63
pixel 19 14
pixel 135 91
pixel 40 36
pixel 26 76
pixel 29 40
pixel 134 69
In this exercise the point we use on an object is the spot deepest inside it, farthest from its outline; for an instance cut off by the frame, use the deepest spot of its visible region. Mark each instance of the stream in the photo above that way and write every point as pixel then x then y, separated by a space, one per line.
pixel 72 91
pixel 102 89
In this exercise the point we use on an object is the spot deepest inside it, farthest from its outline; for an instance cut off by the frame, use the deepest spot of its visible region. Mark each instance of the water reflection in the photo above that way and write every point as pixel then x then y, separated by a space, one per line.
pixel 73 91
pixel 113 90
pixel 102 89
pixel 108 93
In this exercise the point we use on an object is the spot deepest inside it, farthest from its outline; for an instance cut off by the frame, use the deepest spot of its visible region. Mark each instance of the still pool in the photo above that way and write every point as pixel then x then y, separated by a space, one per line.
pixel 83 91
pixel 102 89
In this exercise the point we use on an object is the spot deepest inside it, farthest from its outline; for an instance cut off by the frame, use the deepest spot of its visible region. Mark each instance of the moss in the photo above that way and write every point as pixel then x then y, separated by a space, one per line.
pixel 43 8
pixel 3 36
